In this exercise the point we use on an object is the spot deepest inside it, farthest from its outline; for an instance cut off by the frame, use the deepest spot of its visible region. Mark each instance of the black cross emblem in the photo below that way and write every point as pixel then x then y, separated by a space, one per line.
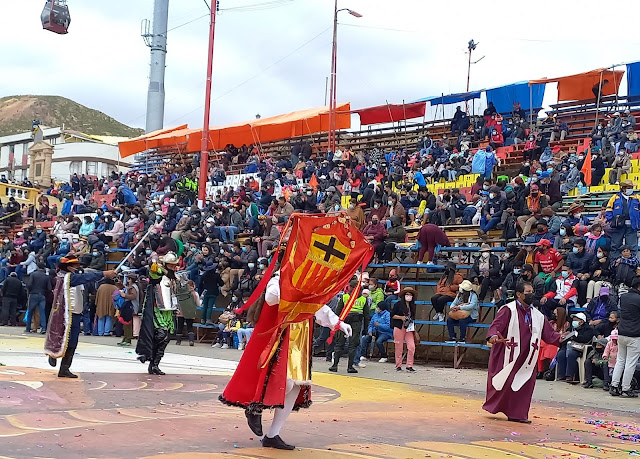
pixel 329 249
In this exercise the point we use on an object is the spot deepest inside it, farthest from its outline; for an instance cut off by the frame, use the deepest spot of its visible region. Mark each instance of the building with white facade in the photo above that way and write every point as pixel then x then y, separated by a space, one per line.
pixel 73 152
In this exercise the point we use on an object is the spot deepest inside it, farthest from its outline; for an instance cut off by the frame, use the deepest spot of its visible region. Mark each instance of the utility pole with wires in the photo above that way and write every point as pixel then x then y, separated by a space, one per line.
pixel 156 39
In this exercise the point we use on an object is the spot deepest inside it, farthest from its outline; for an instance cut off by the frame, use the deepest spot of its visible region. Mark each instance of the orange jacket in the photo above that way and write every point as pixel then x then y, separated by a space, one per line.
pixel 449 290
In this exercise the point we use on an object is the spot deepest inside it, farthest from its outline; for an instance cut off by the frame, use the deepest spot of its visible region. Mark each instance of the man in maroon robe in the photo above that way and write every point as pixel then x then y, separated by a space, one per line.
pixel 515 335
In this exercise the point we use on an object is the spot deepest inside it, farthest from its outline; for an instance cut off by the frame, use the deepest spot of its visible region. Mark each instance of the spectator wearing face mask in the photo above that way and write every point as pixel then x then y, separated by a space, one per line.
pixel 621 165
pixel 531 210
pixel 375 232
pixel 114 233
pixel 98 262
pixel 572 179
pixel 210 284
pixel 600 272
pixel 356 213
pixel 623 216
pixel 567 358
pixel 486 271
pixel 236 225
pixel 395 209
pixel 38 241
pixel 464 311
pixel 580 262
pixel 492 211
pixel 563 292
pixel 446 290
pixel 403 316
pixel 600 308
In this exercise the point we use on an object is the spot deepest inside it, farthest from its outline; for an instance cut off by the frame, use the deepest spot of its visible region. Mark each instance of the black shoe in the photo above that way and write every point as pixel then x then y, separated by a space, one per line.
pixel 53 362
pixel 277 443
pixel 157 371
pixel 411 370
pixel 521 421
pixel 605 387
pixel 65 373
pixel 255 423
pixel 333 368
pixel 43 332
pixel 150 369
pixel 614 391
pixel 351 370
pixel 540 375
pixel 398 368
pixel 629 393
pixel 587 384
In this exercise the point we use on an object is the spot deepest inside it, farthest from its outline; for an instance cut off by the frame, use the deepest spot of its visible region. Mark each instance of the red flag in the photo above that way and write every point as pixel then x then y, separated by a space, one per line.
pixel 586 169
pixel 321 257
pixel 313 182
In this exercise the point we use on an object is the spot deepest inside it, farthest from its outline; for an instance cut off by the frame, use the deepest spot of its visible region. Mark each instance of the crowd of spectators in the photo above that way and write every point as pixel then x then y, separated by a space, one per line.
pixel 573 259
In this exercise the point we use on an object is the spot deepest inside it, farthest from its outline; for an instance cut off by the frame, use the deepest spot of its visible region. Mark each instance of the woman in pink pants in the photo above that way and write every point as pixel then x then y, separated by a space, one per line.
pixel 402 316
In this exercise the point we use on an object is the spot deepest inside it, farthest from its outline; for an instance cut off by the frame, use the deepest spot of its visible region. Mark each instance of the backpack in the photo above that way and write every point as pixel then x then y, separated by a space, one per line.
pixel 510 231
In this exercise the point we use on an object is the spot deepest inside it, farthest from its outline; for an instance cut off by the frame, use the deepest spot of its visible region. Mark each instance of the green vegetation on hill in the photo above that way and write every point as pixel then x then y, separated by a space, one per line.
pixel 17 113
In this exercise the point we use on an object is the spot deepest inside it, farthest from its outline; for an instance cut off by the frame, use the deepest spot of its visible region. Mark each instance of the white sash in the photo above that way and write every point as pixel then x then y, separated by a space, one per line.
pixel 512 352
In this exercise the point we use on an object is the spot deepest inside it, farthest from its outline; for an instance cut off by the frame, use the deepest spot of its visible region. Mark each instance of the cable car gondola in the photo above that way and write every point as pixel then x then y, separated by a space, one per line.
pixel 55 16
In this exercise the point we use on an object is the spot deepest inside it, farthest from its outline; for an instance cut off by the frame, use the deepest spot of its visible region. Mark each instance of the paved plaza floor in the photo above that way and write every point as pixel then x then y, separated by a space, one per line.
pixel 115 409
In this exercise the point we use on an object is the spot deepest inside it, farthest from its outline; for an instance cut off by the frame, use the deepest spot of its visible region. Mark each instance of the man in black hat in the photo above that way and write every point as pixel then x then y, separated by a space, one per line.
pixel 66 314
pixel 542 232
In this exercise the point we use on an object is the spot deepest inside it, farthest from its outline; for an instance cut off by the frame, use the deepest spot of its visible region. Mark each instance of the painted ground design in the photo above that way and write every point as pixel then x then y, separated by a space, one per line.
pixel 117 410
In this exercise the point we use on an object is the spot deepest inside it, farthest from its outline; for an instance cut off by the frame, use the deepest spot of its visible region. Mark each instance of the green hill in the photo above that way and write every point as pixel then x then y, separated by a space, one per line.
pixel 17 113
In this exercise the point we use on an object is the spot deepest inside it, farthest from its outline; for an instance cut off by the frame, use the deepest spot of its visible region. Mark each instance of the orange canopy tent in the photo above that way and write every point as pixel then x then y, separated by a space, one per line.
pixel 303 122
pixel 580 86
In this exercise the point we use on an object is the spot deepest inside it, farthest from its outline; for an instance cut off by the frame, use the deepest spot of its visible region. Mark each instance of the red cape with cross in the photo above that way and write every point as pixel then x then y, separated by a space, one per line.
pixel 321 256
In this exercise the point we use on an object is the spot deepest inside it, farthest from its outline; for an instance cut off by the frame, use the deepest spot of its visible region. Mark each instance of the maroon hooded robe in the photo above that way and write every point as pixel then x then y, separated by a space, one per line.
pixel 515 404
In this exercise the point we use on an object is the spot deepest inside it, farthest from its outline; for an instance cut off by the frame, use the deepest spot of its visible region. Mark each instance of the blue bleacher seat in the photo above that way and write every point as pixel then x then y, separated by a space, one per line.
pixel 417 283
pixel 416 266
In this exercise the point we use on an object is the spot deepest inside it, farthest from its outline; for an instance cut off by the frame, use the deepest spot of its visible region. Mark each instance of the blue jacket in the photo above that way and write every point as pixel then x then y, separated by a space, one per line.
pixel 66 207
pixel 614 208
pixel 472 306
pixel 385 323
pixel 129 196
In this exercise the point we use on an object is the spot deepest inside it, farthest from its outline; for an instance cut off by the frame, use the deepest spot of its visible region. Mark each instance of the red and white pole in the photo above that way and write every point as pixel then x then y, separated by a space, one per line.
pixel 204 148
pixel 332 91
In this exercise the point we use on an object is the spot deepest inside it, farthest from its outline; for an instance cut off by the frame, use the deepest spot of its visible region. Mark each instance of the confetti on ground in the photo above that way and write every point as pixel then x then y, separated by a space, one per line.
pixel 621 431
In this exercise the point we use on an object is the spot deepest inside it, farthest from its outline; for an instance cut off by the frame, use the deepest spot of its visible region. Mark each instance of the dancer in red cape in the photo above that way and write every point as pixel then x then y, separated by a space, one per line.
pixel 516 334
pixel 321 257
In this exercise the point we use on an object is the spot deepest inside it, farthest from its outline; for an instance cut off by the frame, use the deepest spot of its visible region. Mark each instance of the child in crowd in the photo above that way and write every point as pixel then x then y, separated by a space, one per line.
pixel 376 293
pixel 610 355
pixel 224 339
pixel 625 266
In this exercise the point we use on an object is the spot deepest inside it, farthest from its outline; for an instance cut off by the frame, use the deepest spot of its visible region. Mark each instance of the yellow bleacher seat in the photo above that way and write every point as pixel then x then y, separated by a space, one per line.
pixel 597 188
pixel 612 188
pixel 605 177
pixel 573 192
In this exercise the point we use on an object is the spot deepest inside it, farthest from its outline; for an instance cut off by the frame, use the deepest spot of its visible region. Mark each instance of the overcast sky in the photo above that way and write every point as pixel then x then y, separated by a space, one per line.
pixel 274 58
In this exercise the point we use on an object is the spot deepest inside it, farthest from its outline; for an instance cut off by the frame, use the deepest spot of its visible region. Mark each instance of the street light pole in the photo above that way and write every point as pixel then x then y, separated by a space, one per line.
pixel 331 134
pixel 472 45
pixel 204 146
